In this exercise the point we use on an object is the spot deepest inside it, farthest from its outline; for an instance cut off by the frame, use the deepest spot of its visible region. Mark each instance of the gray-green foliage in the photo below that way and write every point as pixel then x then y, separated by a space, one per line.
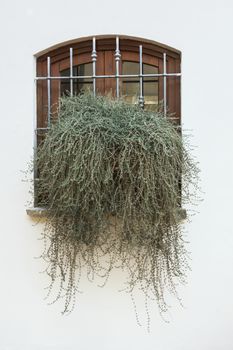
pixel 110 177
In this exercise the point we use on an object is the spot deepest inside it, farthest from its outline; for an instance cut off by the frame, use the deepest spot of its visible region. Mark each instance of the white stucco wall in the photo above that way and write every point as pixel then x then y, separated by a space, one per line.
pixel 103 318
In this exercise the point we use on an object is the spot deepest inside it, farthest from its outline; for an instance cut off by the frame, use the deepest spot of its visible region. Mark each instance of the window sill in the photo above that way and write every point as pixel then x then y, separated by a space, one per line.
pixel 38 212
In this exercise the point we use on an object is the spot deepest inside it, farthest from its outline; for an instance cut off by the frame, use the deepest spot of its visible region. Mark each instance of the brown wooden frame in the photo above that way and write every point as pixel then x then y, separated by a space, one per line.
pixel 105 46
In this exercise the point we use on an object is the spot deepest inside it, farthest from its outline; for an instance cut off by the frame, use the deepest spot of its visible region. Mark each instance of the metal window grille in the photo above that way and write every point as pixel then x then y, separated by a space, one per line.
pixel 117 76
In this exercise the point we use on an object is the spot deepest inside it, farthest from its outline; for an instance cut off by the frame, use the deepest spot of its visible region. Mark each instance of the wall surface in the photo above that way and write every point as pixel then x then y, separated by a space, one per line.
pixel 104 318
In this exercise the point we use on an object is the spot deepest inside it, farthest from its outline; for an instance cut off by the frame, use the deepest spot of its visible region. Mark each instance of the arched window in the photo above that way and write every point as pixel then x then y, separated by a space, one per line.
pixel 138 70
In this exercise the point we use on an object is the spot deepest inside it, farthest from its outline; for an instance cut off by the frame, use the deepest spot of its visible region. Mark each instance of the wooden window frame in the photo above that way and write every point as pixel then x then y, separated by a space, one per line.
pixel 153 54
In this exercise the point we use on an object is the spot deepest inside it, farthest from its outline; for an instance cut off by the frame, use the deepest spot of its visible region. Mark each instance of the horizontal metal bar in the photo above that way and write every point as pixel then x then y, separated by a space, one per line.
pixel 110 76
pixel 170 118
pixel 41 131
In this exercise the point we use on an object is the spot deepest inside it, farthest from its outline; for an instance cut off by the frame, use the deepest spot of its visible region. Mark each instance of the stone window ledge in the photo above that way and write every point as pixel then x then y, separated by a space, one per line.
pixel 37 212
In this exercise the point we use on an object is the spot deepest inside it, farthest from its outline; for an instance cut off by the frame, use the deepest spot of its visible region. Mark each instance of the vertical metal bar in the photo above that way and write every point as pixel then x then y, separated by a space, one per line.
pixel 141 97
pixel 49 91
pixel 117 59
pixel 71 71
pixel 94 58
pixel 35 125
pixel 165 84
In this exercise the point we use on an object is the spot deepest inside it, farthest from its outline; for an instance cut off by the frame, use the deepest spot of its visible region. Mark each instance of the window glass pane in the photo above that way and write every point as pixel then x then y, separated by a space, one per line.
pixel 148 69
pixel 84 69
pixel 150 87
pixel 130 86
pixel 130 68
pixel 78 84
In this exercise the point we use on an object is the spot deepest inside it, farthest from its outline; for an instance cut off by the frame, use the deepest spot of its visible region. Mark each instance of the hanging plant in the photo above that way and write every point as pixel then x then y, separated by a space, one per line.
pixel 110 176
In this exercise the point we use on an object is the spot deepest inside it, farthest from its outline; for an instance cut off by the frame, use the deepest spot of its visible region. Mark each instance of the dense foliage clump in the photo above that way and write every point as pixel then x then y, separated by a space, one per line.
pixel 110 175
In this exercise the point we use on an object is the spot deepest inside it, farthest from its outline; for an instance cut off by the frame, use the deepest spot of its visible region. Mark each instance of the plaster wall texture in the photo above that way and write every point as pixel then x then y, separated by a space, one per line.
pixel 104 318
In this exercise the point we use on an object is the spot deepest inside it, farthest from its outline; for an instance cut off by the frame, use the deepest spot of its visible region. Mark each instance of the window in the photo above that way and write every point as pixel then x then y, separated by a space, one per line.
pixel 138 70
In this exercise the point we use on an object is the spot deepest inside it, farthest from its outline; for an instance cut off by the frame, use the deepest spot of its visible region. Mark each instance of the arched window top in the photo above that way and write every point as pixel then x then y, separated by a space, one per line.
pixel 108 42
